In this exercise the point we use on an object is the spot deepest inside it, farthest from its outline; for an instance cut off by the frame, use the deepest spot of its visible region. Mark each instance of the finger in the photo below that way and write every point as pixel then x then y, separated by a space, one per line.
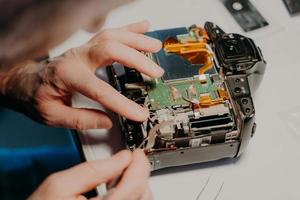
pixel 105 94
pixel 88 175
pixel 97 198
pixel 133 40
pixel 138 27
pixel 117 52
pixel 76 118
pixel 134 180
pixel 148 194
pixel 81 197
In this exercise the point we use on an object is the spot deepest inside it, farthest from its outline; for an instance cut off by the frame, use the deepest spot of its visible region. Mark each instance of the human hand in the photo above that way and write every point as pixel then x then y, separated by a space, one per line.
pixel 43 90
pixel 72 183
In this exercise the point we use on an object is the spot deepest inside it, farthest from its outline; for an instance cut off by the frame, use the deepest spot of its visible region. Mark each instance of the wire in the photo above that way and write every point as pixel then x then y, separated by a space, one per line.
pixel 150 139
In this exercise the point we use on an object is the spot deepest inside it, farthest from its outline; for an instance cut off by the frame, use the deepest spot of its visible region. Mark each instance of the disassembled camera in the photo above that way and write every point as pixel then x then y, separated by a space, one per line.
pixel 201 109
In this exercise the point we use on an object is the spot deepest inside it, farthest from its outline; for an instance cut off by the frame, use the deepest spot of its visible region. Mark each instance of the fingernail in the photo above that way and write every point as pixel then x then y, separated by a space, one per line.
pixel 157 45
pixel 146 113
pixel 160 71
pixel 104 124
pixel 143 114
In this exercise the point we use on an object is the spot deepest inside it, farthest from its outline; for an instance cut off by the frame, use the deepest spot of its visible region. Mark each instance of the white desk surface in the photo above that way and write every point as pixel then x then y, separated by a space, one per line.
pixel 269 169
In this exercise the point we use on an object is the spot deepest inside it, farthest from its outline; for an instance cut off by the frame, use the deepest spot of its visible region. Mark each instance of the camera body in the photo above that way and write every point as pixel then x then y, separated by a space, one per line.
pixel 201 109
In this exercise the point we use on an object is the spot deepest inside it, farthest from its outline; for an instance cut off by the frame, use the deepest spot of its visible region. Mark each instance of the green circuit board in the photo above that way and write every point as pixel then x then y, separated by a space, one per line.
pixel 160 93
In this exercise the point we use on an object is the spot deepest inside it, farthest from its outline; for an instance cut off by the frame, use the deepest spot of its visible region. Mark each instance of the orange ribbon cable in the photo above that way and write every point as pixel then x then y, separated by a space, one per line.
pixel 192 47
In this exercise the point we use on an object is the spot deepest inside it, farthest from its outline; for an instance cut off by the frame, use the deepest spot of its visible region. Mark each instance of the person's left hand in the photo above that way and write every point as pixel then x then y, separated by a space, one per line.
pixel 44 90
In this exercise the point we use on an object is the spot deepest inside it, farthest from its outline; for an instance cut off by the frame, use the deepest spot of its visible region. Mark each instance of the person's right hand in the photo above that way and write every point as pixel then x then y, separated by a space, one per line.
pixel 70 184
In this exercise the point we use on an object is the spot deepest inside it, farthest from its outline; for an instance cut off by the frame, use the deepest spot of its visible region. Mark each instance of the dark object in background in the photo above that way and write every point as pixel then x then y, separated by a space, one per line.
pixel 293 6
pixel 245 14
pixel 29 152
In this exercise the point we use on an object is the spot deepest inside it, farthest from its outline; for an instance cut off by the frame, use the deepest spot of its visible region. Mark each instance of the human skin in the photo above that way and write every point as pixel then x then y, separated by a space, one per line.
pixel 71 183
pixel 43 91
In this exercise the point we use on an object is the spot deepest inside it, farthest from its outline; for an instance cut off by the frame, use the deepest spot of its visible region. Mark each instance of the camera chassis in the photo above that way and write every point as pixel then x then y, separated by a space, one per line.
pixel 195 116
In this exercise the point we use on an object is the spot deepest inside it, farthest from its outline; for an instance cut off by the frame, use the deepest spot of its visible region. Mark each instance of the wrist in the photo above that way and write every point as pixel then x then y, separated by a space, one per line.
pixel 18 86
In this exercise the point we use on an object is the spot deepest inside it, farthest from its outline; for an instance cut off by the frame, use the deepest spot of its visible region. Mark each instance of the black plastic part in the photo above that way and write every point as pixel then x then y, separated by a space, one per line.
pixel 236 53
pixel 211 121
pixel 240 91
pixel 213 31
pixel 132 130
pixel 253 129
pixel 133 133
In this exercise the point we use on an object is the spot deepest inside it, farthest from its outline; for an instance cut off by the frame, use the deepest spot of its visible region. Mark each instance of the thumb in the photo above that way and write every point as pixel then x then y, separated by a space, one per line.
pixel 76 118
